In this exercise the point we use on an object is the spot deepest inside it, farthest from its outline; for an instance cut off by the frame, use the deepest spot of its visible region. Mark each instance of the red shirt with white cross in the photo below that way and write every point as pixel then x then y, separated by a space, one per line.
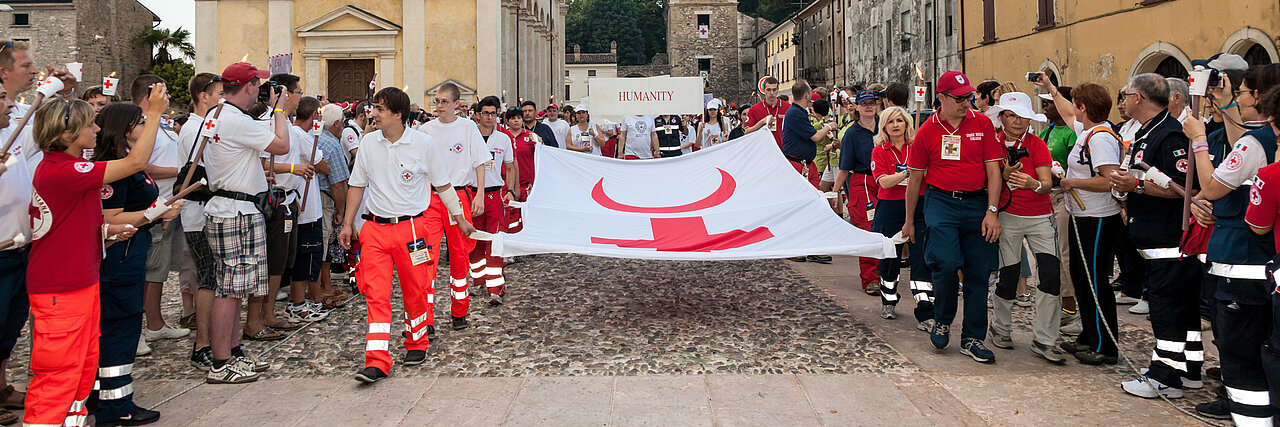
pixel 66 224
pixel 1264 200
pixel 956 158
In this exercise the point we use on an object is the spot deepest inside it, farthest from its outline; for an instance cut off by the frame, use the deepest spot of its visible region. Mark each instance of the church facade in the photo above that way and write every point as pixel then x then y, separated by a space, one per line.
pixel 486 47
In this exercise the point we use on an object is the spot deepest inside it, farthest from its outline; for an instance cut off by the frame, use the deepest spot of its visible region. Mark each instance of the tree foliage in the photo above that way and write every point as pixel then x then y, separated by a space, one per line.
pixel 176 74
pixel 161 40
pixel 639 27
pixel 773 10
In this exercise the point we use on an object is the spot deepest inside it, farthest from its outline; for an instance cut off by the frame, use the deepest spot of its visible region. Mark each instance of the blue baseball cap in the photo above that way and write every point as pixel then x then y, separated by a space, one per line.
pixel 865 95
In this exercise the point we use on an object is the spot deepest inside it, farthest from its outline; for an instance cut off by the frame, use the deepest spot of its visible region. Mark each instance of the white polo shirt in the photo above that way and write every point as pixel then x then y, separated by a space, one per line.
pixel 350 137
pixel 398 177
pixel 233 161
pixel 165 155
pixel 302 146
pixel 192 211
pixel 462 149
pixel 500 151
pixel 559 128
pixel 15 184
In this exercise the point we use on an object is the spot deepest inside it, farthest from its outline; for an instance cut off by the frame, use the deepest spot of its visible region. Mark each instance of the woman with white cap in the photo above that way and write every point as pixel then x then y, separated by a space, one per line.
pixel 583 136
pixel 1026 215
pixel 714 129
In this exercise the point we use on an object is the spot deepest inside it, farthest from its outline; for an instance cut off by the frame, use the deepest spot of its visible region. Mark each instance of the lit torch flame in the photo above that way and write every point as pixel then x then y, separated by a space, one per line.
pixel 244 58
pixel 112 75
pixel 919 72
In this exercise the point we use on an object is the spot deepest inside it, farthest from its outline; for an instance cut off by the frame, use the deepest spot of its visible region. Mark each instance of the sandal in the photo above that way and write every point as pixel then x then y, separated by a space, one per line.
pixel 265 334
pixel 7 417
pixel 332 302
pixel 284 325
pixel 5 394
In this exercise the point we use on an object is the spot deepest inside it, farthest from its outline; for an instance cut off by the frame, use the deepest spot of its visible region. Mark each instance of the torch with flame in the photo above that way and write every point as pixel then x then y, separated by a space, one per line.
pixel 109 84
pixel 244 58
pixel 919 72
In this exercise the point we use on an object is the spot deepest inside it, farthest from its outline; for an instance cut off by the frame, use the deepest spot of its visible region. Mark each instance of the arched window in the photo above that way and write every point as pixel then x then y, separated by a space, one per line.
pixel 1171 67
pixel 1257 55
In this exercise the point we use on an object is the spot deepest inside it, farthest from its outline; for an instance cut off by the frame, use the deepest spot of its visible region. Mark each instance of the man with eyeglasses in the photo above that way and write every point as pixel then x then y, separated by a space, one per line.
pixel 486 269
pixel 1155 228
pixel 465 157
pixel 958 156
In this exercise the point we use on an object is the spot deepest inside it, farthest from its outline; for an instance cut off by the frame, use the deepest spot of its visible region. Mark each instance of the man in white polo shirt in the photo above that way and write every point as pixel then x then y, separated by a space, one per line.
pixel 233 224
pixel 486 269
pixel 465 155
pixel 394 168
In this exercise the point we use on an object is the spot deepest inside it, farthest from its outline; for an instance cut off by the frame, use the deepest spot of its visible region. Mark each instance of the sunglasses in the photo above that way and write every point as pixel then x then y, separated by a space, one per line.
pixel 6 45
pixel 216 79
pixel 961 98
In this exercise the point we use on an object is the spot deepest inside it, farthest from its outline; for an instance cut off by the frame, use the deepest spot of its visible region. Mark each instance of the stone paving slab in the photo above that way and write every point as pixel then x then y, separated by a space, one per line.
pixel 465 402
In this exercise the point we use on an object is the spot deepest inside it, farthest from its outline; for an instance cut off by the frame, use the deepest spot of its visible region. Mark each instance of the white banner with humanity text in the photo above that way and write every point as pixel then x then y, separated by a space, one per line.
pixel 734 201
pixel 613 98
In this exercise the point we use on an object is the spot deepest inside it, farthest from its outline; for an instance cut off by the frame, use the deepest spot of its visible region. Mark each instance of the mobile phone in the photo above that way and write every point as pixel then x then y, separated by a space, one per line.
pixel 1033 77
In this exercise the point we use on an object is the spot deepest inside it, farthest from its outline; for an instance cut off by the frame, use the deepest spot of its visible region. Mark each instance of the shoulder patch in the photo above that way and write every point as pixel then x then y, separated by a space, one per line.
pixel 1234 161
pixel 1255 195
pixel 108 191
pixel 1182 165
pixel 83 167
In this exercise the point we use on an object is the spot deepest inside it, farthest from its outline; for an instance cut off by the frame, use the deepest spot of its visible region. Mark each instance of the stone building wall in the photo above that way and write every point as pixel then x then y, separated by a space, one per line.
pixel 685 48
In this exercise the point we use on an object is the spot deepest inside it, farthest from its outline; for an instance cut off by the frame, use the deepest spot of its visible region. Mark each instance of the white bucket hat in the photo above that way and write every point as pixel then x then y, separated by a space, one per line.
pixel 1017 102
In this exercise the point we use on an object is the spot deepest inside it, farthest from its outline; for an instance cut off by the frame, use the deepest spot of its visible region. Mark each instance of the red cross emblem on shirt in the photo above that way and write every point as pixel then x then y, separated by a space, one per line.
pixel 406 175
pixel 209 125
pixel 107 84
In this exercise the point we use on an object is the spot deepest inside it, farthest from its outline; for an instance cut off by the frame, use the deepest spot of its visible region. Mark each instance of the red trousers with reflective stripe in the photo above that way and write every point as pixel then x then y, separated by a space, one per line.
pixel 459 251
pixel 513 222
pixel 383 247
pixel 64 356
pixel 486 269
pixel 862 191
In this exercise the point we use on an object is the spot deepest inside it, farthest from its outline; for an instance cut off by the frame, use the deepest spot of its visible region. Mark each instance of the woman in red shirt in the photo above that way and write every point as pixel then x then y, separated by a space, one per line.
pixel 889 169
pixel 62 276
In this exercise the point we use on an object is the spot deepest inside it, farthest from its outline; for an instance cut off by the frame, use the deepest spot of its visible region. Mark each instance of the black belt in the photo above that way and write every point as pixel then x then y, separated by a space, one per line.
pixel 492 189
pixel 381 220
pixel 961 194
pixel 464 187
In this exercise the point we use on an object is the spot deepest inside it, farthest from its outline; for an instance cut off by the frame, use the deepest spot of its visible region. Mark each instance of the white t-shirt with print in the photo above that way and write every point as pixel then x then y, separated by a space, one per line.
pixel 1104 149
pixel 501 152
pixel 639 131
pixel 233 162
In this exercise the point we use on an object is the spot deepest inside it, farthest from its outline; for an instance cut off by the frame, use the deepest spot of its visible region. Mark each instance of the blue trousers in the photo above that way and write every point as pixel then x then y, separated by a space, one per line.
pixel 13 299
pixel 956 244
pixel 123 275
pixel 890 217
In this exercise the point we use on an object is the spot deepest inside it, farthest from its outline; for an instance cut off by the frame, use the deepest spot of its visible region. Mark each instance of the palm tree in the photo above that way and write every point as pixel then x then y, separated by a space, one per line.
pixel 161 40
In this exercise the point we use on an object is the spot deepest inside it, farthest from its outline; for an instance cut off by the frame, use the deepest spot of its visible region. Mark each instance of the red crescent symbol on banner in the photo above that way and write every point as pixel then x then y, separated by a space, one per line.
pixel 722 194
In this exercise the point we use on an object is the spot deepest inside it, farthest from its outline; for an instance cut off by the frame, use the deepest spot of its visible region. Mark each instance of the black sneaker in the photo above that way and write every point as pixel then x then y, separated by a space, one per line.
pixel 370 375
pixel 1072 347
pixel 798 259
pixel 1090 357
pixel 431 332
pixel 940 336
pixel 460 323
pixel 414 357
pixel 821 259
pixel 1218 409
pixel 202 358
pixel 136 417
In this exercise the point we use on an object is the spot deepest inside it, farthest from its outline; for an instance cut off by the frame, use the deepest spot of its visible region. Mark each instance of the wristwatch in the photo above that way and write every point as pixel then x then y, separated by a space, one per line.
pixel 993 209
pixel 1140 188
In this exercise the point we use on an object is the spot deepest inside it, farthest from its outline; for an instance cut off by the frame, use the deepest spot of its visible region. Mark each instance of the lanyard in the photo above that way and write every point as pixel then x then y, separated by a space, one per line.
pixel 894 151
pixel 943 124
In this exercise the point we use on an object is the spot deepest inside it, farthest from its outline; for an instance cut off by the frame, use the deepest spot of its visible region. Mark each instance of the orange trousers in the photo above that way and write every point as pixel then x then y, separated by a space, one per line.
pixel 64 357
pixel 382 248
pixel 459 251
pixel 486 269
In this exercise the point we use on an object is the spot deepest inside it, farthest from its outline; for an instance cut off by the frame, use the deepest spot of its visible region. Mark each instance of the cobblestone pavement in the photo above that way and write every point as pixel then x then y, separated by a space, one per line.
pixel 580 315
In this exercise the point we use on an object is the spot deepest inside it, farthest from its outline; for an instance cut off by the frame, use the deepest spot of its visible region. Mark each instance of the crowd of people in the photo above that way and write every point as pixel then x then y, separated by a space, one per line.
pixel 262 194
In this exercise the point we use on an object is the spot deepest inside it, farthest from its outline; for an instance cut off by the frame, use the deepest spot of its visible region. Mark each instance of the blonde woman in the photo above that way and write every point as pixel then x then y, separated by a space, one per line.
pixel 889 169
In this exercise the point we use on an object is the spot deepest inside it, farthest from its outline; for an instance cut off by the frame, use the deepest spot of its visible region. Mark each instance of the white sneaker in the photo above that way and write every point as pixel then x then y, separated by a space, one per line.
pixel 250 363
pixel 282 295
pixel 1140 308
pixel 1122 299
pixel 165 332
pixel 1186 383
pixel 304 313
pixel 1150 389
pixel 230 373
pixel 143 348
pixel 1073 328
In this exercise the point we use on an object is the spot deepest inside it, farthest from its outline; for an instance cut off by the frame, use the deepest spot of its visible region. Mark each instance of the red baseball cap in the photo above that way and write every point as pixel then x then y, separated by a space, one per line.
pixel 954 83
pixel 552 105
pixel 814 96
pixel 243 72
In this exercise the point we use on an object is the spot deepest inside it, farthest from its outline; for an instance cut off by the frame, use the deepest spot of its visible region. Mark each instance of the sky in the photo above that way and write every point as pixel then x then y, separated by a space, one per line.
pixel 174 14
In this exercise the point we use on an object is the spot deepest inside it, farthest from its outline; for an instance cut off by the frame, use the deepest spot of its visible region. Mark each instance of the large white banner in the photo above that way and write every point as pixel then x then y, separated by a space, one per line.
pixel 737 200
pixel 613 98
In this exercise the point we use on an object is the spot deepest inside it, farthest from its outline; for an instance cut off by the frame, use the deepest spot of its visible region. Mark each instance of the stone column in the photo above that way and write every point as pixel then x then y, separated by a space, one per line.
pixel 321 84
pixel 488 45
pixel 206 37
pixel 415 50
pixel 280 31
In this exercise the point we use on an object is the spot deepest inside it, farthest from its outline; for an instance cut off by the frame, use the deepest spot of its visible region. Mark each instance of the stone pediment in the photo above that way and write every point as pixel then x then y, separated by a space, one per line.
pixel 463 89
pixel 348 19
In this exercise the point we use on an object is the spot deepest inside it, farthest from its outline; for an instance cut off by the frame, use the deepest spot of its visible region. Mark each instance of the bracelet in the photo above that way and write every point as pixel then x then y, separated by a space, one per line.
pixel 277 110
pixel 513 192
pixel 290 168
pixel 1199 149
pixel 1039 185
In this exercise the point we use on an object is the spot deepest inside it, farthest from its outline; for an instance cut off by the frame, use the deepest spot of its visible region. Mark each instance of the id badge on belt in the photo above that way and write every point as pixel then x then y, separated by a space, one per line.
pixel 418 253
pixel 288 221
pixel 871 211
pixel 951 147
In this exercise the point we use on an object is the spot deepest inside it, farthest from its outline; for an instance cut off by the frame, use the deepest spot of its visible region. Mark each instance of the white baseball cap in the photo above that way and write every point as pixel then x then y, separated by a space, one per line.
pixel 1017 102
pixel 580 107
pixel 714 104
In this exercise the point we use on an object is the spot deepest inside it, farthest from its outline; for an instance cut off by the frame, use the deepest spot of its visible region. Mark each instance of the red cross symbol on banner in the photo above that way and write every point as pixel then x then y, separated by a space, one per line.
pixel 703 30
pixel 216 139
pixel 107 84
pixel 683 234
pixel 919 91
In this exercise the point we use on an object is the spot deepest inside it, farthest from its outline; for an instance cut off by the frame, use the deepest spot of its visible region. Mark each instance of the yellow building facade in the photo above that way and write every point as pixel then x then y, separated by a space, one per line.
pixel 1108 41
pixel 487 47
pixel 776 50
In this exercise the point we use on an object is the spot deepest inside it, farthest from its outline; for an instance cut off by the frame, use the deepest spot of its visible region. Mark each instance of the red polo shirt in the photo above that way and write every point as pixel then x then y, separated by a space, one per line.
pixel 962 166
pixel 1027 202
pixel 524 146
pixel 66 223
pixel 1264 200
pixel 884 161
pixel 759 111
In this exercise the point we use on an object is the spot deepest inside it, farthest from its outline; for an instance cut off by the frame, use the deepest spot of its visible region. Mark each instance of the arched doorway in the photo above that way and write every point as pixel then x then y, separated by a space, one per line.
pixel 1257 55
pixel 1161 58
pixel 1170 67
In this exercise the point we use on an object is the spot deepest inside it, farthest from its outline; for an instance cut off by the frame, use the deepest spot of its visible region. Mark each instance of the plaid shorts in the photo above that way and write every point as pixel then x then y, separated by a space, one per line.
pixel 239 247
pixel 202 257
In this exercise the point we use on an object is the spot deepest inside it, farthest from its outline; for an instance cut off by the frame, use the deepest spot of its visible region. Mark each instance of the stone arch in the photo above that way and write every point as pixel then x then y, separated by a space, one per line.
pixel 1051 68
pixel 1241 41
pixel 1150 58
